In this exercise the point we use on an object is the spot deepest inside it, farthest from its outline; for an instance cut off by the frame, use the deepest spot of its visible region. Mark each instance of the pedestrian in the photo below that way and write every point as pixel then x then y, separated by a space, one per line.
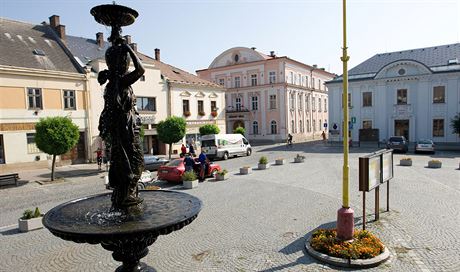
pixel 191 150
pixel 189 163
pixel 183 150
pixel 203 159
pixel 324 136
pixel 289 139
pixel 99 158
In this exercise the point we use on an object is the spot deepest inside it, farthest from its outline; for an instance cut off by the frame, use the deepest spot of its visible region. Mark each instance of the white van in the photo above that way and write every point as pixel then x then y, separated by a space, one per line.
pixel 225 145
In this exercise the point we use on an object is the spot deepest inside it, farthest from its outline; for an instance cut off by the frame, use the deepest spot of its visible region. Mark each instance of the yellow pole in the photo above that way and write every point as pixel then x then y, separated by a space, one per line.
pixel 345 58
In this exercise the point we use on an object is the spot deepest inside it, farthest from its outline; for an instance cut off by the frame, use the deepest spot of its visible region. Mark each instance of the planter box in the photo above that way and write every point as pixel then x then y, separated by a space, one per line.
pixel 297 159
pixel 26 225
pixel 245 171
pixel 262 166
pixel 190 184
pixel 434 164
pixel 221 177
pixel 405 162
pixel 280 161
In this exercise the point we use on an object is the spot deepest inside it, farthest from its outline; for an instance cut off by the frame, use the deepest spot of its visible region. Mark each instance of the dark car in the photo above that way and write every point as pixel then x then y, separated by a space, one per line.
pixel 398 143
pixel 152 162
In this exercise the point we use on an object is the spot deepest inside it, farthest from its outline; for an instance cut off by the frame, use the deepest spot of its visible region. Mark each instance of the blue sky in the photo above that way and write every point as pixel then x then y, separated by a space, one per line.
pixel 192 33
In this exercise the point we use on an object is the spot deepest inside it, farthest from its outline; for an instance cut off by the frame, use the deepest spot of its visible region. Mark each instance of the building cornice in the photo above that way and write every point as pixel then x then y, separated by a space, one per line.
pixel 12 70
pixel 195 86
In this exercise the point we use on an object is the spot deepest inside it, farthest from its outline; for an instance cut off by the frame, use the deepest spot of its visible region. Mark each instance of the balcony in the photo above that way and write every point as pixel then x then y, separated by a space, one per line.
pixel 231 109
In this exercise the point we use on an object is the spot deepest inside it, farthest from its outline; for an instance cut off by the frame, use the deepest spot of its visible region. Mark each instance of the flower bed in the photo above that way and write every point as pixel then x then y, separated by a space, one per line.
pixel 364 245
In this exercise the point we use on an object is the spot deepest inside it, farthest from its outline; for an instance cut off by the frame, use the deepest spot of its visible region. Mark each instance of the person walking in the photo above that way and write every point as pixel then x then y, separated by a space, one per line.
pixel 203 159
pixel 183 150
pixel 289 140
pixel 324 136
pixel 191 150
pixel 99 158
pixel 189 163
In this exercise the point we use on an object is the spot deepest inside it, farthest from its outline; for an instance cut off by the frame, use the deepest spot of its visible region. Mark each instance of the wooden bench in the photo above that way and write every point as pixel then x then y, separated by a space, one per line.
pixel 9 179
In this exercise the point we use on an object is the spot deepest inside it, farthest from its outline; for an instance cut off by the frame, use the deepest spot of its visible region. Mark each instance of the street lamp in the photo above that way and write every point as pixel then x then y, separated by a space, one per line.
pixel 345 215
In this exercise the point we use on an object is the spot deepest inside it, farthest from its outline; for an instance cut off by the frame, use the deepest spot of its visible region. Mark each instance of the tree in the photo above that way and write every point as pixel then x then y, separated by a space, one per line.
pixel 171 131
pixel 56 136
pixel 239 130
pixel 455 124
pixel 209 129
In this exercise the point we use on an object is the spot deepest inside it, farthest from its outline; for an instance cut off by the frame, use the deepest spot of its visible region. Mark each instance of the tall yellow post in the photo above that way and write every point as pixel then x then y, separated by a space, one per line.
pixel 345 215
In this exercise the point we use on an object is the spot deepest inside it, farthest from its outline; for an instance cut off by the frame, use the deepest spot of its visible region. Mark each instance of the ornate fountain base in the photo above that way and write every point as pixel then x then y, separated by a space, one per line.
pixel 90 220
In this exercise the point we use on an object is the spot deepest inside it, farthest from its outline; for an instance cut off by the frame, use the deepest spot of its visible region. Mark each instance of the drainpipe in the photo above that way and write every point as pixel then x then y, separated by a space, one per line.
pixel 89 138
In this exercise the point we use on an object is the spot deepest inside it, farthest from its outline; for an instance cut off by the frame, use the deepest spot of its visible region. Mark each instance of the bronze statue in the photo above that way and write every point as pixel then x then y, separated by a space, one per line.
pixel 119 124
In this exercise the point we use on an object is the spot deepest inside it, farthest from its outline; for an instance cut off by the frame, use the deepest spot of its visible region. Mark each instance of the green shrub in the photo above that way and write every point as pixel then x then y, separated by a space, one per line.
pixel 239 130
pixel 29 214
pixel 37 213
pixel 263 160
pixel 222 172
pixel 189 176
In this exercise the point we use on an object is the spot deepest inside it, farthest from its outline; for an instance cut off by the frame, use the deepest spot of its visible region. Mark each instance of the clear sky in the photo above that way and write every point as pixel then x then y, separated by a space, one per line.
pixel 191 33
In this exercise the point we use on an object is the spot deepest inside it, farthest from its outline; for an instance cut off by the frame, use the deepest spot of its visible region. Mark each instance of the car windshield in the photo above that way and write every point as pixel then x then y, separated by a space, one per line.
pixel 425 142
pixel 174 163
pixel 207 143
pixel 396 139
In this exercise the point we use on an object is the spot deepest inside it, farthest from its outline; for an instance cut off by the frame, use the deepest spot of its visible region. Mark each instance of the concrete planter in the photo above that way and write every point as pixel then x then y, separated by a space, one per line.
pixel 299 159
pixel 26 225
pixel 190 184
pixel 262 166
pixel 221 177
pixel 245 170
pixel 434 164
pixel 280 161
pixel 405 162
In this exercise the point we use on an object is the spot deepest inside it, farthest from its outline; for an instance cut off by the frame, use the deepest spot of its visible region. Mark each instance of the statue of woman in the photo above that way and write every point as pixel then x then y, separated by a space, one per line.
pixel 119 124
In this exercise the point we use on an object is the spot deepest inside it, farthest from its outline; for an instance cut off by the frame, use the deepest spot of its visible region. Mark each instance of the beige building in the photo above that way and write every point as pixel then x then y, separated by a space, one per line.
pixel 271 96
pixel 38 79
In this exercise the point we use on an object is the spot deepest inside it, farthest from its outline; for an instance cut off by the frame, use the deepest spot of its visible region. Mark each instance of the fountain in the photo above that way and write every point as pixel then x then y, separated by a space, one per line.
pixel 125 221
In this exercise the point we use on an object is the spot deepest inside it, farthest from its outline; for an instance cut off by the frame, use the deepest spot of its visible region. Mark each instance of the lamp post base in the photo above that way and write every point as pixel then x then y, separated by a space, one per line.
pixel 345 224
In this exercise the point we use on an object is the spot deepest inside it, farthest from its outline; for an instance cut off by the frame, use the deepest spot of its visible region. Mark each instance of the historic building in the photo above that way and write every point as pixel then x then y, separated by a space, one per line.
pixel 38 79
pixel 412 93
pixel 271 96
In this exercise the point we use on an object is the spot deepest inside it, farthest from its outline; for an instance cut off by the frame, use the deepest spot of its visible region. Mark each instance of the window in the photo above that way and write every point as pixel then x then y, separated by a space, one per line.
pixel 31 146
pixel 325 104
pixel 273 101
pixel 213 106
pixel 319 125
pixel 300 126
pixel 292 102
pixel 349 101
pixel 367 99
pixel 237 81
pixel 319 84
pixel 306 81
pixel 253 80
pixel 438 127
pixel 313 103
pixel 273 128
pixel 300 79
pixel 255 103
pixel 238 103
pixel 34 96
pixel 185 106
pixel 272 77
pixel 255 127
pixel 146 103
pixel 439 94
pixel 312 83
pixel 307 102
pixel 308 125
pixel 292 126
pixel 69 99
pixel 221 81
pixel 200 106
pixel 292 77
pixel 300 100
pixel 314 125
pixel 401 97
pixel 367 124
pixel 319 104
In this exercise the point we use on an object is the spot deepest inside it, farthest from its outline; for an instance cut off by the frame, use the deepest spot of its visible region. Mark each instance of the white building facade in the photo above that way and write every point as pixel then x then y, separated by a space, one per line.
pixel 413 93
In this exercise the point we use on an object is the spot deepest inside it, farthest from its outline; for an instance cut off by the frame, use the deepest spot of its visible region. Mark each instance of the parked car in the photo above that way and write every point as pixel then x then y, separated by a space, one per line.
pixel 398 143
pixel 146 177
pixel 225 145
pixel 173 170
pixel 152 163
pixel 424 145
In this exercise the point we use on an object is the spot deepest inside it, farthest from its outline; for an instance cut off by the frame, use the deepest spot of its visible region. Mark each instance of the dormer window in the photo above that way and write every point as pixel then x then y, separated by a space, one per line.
pixel 401 72
pixel 236 58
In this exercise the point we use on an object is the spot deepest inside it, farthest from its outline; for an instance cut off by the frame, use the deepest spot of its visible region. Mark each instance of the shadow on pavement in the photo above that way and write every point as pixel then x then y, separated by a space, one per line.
pixel 21 182
pixel 73 173
pixel 10 232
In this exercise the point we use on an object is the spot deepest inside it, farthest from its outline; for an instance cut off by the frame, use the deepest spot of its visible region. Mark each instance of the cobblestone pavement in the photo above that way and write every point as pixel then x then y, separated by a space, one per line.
pixel 258 222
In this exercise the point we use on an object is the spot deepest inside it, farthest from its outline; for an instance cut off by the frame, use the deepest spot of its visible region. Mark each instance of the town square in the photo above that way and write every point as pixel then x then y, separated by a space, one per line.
pixel 334 150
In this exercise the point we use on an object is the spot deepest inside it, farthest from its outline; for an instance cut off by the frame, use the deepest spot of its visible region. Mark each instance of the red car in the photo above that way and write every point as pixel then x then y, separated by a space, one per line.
pixel 173 170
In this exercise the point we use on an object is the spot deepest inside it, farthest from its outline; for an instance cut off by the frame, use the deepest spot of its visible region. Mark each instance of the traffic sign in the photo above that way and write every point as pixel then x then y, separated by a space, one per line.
pixel 334 126
pixel 353 120
pixel 325 125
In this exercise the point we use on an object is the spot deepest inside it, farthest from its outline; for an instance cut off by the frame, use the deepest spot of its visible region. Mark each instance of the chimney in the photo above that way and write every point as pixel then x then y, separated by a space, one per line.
pixel 157 54
pixel 253 48
pixel 272 54
pixel 54 21
pixel 315 66
pixel 60 29
pixel 128 39
pixel 100 39
pixel 133 46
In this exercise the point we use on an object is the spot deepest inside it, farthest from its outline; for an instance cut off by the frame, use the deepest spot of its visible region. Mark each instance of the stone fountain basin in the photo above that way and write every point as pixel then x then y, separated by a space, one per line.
pixel 89 220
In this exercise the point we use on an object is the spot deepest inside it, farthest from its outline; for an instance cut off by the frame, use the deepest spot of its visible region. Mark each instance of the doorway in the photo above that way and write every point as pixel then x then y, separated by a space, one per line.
pixel 2 150
pixel 238 123
pixel 402 128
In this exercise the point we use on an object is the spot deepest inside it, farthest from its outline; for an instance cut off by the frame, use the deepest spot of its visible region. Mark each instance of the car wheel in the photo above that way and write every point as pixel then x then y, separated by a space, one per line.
pixel 248 152
pixel 225 157
pixel 140 186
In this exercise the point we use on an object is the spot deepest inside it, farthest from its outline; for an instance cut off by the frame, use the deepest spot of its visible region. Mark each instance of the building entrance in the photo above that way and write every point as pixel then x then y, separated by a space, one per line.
pixel 402 128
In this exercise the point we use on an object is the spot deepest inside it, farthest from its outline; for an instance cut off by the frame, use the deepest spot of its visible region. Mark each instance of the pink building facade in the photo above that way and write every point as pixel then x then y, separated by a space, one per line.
pixel 271 96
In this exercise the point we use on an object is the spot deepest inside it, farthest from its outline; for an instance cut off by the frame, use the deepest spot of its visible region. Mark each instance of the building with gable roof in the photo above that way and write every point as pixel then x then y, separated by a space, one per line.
pixel 412 93
pixel 271 96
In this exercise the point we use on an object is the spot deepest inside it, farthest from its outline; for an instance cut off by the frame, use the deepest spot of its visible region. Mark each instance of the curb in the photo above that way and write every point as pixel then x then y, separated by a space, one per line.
pixel 349 263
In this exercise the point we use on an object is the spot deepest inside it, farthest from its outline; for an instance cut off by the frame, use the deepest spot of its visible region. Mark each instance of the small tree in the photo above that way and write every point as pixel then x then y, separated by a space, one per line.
pixel 56 136
pixel 239 130
pixel 455 124
pixel 209 129
pixel 171 131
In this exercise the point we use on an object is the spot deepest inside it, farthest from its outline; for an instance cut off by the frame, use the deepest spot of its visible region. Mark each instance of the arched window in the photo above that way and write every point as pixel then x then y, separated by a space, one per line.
pixel 292 126
pixel 255 127
pixel 308 125
pixel 301 127
pixel 273 127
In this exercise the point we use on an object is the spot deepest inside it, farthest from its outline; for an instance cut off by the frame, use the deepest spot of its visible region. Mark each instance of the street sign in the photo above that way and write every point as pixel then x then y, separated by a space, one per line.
pixel 334 126
pixel 353 120
pixel 325 125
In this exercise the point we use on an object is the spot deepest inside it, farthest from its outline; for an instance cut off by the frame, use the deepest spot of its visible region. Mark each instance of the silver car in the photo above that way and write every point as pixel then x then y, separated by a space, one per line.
pixel 424 146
